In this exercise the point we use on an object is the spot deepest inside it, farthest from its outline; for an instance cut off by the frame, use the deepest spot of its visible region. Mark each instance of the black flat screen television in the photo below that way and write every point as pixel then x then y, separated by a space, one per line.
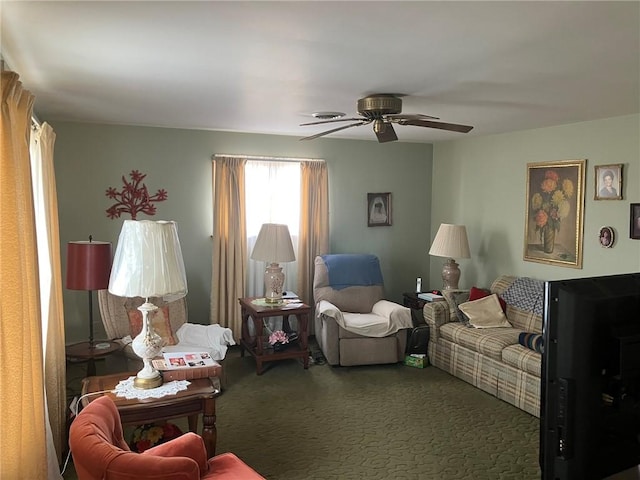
pixel 590 392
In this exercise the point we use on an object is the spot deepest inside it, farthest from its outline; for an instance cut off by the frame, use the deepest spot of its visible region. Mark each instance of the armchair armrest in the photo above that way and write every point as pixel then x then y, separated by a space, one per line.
pixel 189 445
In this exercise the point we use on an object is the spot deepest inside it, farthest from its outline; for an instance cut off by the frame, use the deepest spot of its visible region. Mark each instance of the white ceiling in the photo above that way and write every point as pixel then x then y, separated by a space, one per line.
pixel 264 67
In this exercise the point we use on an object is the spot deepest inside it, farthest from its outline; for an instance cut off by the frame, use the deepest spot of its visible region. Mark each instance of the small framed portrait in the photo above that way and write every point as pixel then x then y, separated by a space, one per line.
pixel 608 180
pixel 634 229
pixel 606 237
pixel 379 209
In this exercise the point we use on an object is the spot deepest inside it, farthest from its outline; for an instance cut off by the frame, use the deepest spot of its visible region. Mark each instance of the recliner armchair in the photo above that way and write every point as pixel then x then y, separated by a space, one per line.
pixel 354 324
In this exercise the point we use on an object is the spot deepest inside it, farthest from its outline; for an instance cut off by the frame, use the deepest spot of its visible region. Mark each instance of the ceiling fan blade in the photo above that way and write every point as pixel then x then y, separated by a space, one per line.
pixel 322 134
pixel 331 121
pixel 386 133
pixel 408 116
pixel 454 127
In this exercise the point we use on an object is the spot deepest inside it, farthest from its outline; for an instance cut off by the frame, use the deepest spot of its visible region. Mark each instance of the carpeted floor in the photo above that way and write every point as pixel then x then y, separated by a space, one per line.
pixel 373 422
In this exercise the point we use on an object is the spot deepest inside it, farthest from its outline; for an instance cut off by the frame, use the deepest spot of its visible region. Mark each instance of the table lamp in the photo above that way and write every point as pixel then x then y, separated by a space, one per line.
pixel 88 268
pixel 451 241
pixel 148 263
pixel 273 246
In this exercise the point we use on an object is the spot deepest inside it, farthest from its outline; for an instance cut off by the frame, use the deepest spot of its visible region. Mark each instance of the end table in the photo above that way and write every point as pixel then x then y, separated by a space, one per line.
pixel 86 351
pixel 252 309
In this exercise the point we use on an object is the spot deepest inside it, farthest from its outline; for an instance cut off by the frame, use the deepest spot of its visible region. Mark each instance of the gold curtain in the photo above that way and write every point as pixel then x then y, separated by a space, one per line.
pixel 229 268
pixel 22 415
pixel 43 140
pixel 314 224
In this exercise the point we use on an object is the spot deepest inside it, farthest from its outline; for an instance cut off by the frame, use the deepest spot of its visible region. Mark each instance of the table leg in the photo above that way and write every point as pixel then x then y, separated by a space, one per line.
pixel 209 432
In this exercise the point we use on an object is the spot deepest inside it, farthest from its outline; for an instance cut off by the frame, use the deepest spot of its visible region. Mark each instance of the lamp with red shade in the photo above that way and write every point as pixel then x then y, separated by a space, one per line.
pixel 88 268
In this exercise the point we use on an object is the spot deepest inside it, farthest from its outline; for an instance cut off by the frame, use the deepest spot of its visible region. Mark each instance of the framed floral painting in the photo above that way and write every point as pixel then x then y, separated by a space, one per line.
pixel 555 212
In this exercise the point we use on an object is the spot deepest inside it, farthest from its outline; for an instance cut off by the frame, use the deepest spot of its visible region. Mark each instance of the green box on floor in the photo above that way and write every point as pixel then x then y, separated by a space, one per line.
pixel 416 360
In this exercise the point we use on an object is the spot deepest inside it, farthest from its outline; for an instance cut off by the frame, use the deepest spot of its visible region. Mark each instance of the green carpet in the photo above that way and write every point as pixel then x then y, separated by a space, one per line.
pixel 373 422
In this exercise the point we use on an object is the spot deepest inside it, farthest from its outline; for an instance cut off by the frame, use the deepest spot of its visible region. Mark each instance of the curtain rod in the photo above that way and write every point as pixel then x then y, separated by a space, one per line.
pixel 273 159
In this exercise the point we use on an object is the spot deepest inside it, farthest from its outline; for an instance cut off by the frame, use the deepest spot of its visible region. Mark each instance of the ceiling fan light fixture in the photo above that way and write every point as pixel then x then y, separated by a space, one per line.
pixel 379 126
pixel 327 115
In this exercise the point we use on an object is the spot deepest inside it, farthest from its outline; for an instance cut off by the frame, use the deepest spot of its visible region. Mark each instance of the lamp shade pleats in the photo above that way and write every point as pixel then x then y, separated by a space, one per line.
pixel 88 265
pixel 148 261
pixel 451 241
pixel 273 244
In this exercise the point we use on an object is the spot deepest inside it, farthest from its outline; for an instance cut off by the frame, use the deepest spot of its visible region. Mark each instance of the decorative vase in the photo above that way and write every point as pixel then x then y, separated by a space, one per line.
pixel 548 239
pixel 279 346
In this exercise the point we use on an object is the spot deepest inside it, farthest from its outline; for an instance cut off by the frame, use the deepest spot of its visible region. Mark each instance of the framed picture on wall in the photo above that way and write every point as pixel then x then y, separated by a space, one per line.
pixel 608 182
pixel 634 229
pixel 555 212
pixel 606 237
pixel 379 209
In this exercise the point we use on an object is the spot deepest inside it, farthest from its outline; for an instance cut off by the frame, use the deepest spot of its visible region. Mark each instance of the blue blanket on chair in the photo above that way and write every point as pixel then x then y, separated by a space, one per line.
pixel 346 270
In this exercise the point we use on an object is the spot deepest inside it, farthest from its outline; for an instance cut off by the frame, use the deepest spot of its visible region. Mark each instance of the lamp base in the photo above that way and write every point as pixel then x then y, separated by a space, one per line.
pixel 147 383
pixel 147 345
pixel 273 283
pixel 450 275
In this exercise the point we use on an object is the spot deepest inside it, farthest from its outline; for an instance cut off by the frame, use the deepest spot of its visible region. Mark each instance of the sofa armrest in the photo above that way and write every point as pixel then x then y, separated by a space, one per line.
pixel 436 314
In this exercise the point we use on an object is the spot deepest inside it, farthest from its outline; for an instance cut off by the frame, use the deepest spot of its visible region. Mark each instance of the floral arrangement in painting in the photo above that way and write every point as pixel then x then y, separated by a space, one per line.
pixel 551 206
pixel 134 197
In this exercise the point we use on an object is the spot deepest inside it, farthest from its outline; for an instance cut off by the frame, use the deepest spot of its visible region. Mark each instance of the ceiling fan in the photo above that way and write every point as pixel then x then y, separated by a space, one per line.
pixel 383 109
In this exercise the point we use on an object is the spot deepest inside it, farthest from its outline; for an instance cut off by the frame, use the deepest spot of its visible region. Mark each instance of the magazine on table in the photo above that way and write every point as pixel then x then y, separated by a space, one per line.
pixel 175 360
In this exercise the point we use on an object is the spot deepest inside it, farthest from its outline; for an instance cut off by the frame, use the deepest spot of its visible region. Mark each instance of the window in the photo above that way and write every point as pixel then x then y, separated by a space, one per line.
pixel 272 195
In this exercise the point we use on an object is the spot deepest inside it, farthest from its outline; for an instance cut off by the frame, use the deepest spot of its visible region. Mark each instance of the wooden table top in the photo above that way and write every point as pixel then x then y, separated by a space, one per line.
pixel 198 387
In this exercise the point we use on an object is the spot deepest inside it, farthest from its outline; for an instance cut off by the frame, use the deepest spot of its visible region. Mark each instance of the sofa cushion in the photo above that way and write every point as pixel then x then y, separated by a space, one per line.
pixel 486 341
pixel 533 341
pixel 523 358
pixel 477 293
pixel 525 299
pixel 485 312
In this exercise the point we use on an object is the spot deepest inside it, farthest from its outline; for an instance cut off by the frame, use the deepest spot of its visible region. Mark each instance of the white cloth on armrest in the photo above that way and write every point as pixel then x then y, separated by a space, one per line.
pixel 214 338
pixel 385 319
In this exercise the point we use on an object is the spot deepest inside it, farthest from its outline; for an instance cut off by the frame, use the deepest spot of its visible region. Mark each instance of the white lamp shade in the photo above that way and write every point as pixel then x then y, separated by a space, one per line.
pixel 148 261
pixel 273 244
pixel 451 241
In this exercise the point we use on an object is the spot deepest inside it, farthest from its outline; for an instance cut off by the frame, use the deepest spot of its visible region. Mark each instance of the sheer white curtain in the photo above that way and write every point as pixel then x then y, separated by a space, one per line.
pixel 272 194
pixel 47 238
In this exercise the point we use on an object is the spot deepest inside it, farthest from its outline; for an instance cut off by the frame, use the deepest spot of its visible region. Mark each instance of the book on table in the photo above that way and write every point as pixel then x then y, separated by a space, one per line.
pixel 430 297
pixel 187 366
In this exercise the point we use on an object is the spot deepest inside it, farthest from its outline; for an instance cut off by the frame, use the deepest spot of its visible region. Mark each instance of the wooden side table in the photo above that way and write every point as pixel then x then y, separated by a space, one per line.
pixel 198 398
pixel 251 309
pixel 88 352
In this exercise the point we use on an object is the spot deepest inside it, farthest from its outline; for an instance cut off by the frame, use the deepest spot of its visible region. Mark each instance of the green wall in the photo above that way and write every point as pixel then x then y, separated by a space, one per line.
pixel 89 158
pixel 481 183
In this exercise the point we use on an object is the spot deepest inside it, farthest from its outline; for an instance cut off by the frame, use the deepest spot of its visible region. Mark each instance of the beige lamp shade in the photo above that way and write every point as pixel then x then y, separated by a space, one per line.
pixel 451 242
pixel 148 261
pixel 273 244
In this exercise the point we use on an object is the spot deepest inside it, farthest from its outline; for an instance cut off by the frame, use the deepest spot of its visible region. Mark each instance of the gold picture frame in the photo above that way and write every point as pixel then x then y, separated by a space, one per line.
pixel 608 182
pixel 555 213
pixel 379 209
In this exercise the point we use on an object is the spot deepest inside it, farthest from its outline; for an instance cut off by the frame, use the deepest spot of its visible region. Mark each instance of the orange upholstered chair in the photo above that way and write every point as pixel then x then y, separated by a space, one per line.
pixel 100 452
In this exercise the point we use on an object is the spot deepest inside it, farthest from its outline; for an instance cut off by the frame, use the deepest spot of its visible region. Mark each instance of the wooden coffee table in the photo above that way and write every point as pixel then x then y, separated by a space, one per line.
pixel 198 398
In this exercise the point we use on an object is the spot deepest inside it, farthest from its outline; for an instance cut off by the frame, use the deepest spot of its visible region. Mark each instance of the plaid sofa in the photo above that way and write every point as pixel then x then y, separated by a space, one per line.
pixel 493 359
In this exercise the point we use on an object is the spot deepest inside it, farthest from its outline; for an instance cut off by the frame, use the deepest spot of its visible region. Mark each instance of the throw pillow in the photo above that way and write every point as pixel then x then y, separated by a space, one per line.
pixel 533 341
pixel 455 298
pixel 159 319
pixel 478 293
pixel 485 312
